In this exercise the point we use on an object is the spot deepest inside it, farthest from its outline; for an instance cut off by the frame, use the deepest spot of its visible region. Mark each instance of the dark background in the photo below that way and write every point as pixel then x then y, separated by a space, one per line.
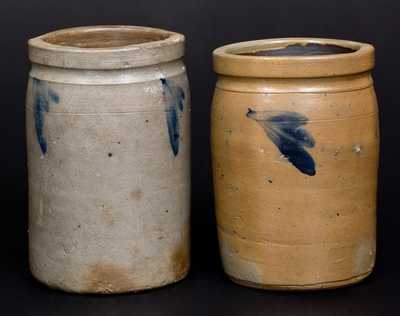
pixel 207 24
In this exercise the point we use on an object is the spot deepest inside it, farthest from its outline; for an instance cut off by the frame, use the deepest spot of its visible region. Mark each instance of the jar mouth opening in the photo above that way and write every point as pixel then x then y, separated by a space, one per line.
pixel 293 58
pixel 300 49
pixel 106 47
pixel 104 37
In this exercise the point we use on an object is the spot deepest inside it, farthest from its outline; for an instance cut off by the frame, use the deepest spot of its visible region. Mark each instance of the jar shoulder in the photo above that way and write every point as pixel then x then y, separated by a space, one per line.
pixel 314 105
pixel 116 91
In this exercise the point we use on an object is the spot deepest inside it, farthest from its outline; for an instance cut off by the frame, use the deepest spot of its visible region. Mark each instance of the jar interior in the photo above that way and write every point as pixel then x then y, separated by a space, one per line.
pixel 104 37
pixel 308 49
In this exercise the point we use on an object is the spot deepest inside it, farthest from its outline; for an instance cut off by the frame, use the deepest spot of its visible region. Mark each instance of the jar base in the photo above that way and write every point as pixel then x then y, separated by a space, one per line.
pixel 111 292
pixel 305 287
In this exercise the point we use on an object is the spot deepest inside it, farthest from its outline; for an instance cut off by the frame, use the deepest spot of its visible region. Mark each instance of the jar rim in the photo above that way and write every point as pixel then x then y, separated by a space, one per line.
pixel 254 58
pixel 106 47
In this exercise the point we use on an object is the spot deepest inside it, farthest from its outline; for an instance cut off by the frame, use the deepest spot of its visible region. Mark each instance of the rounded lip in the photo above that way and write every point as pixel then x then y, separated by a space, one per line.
pixel 227 60
pixel 66 53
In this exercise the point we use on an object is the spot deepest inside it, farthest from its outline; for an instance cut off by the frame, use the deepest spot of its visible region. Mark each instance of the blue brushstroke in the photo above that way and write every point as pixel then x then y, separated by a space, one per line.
pixel 174 101
pixel 286 132
pixel 43 95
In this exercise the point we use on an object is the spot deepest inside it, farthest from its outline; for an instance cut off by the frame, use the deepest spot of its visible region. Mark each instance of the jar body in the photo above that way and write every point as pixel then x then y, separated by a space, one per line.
pixel 109 177
pixel 295 176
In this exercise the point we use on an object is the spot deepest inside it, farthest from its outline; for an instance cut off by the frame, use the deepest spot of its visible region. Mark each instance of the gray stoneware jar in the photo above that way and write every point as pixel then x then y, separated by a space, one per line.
pixel 108 137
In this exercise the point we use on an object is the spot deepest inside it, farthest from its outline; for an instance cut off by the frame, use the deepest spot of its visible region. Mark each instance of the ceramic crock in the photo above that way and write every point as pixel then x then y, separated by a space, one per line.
pixel 108 137
pixel 295 143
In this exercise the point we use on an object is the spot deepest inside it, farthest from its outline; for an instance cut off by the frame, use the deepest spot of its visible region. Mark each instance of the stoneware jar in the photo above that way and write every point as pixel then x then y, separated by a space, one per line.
pixel 295 143
pixel 108 135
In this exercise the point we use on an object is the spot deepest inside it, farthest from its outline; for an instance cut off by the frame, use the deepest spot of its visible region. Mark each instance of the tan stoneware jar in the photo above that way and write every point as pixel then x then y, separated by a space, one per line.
pixel 295 144
pixel 108 136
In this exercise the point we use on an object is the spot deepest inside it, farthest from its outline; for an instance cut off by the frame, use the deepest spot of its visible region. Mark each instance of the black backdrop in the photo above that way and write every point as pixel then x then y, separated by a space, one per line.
pixel 207 24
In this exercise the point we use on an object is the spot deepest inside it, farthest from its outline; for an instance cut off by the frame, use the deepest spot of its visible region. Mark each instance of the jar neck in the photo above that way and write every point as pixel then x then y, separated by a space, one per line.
pixel 296 85
pixel 101 77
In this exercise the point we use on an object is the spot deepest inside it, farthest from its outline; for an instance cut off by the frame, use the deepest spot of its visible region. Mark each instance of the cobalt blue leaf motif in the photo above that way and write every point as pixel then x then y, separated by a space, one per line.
pixel 42 97
pixel 285 130
pixel 174 101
